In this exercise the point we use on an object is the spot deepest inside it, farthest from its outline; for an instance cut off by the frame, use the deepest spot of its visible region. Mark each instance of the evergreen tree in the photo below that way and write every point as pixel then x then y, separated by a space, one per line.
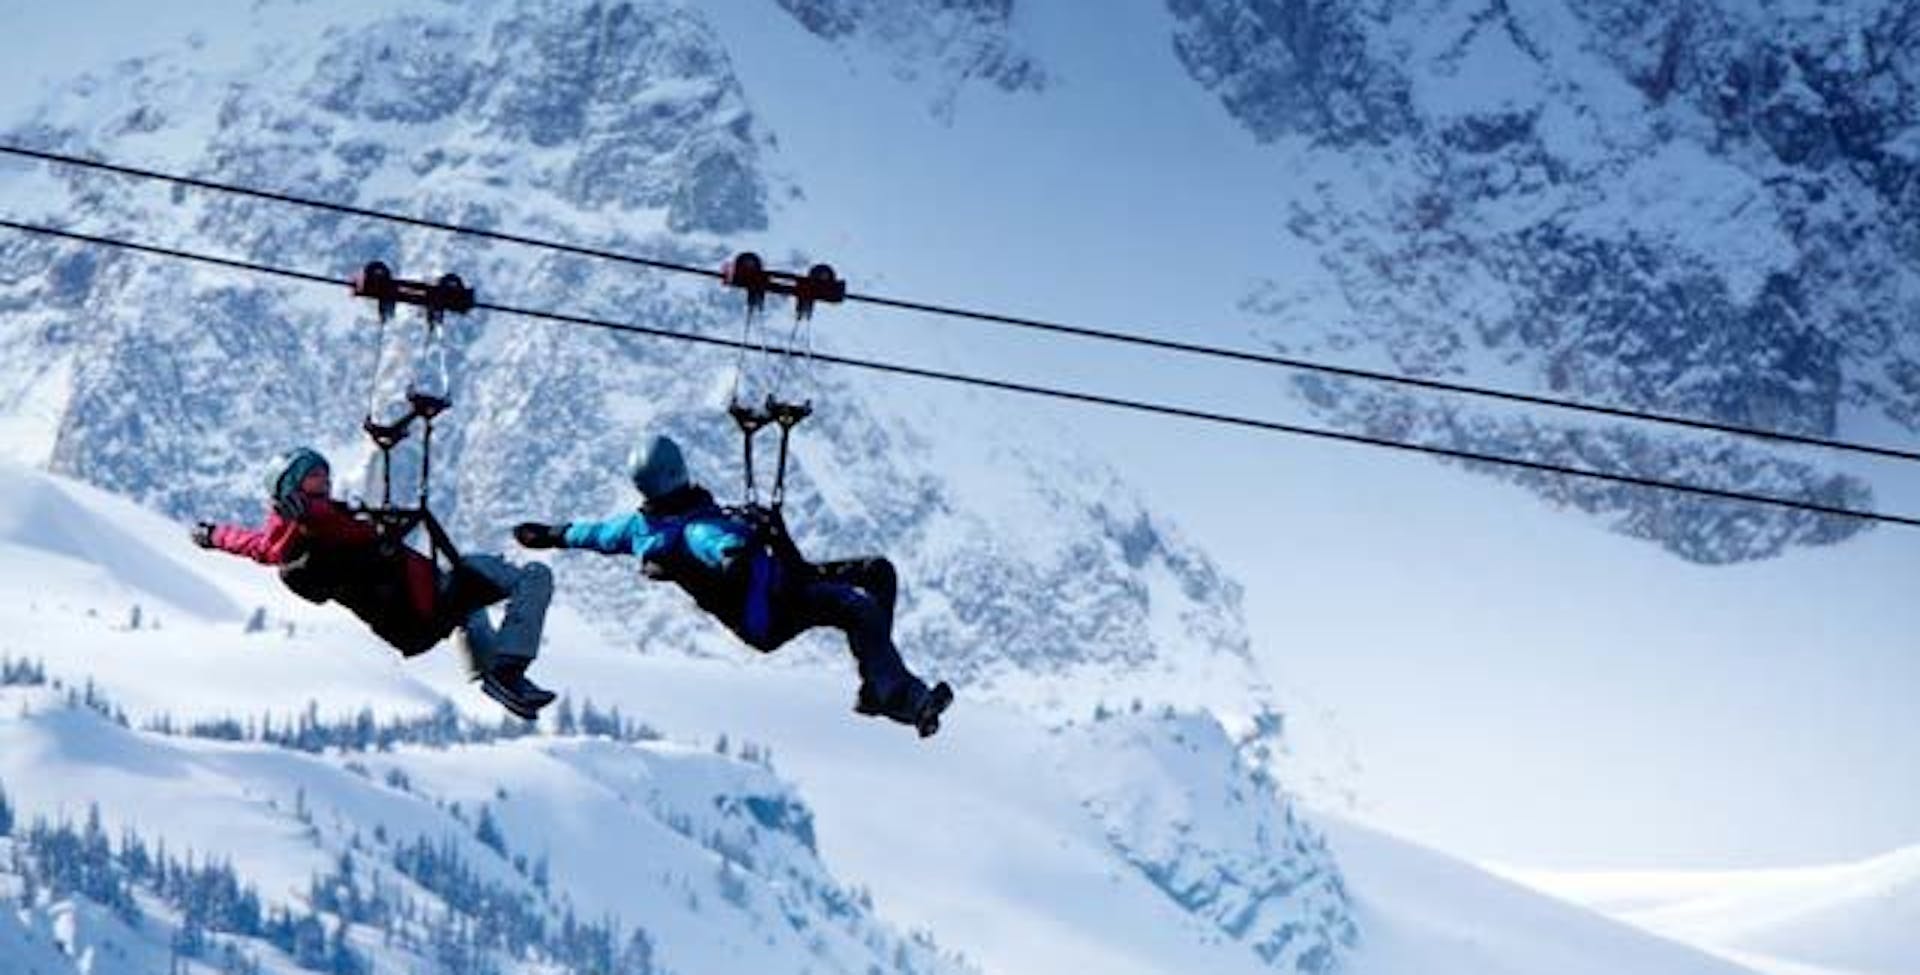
pixel 21 673
pixel 487 831
pixel 637 959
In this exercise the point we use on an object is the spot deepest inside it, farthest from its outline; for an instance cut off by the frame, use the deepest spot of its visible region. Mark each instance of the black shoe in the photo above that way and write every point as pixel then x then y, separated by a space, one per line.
pixel 936 701
pixel 902 705
pixel 508 684
pixel 867 702
pixel 515 672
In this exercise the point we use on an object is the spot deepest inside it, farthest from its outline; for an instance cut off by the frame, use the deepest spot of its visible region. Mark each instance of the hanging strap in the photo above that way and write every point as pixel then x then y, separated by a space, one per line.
pixel 747 272
pixel 449 293
pixel 750 421
pixel 787 416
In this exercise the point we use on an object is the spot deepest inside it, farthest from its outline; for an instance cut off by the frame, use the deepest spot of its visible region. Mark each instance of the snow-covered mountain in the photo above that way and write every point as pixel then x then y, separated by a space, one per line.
pixel 623 124
pixel 944 43
pixel 1702 209
pixel 1037 572
pixel 182 786
pixel 1127 815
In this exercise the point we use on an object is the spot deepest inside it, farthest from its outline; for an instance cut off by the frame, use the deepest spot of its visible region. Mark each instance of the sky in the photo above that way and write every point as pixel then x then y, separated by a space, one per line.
pixel 1518 685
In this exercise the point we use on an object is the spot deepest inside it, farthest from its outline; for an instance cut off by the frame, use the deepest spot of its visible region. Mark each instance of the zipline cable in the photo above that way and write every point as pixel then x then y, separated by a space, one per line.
pixel 1043 325
pixel 349 210
pixel 1347 372
pixel 1141 406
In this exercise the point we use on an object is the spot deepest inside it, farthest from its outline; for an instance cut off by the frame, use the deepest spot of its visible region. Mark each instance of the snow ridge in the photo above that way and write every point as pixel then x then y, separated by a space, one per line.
pixel 1217 845
pixel 416 862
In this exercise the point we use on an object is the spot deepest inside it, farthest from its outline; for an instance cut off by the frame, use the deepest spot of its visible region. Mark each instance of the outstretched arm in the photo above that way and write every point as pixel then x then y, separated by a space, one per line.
pixel 278 540
pixel 627 534
pixel 269 544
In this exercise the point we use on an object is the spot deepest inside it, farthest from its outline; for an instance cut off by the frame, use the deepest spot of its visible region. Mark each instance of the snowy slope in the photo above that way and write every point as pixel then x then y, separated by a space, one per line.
pixel 58 526
pixel 714 856
pixel 707 854
pixel 1416 910
pixel 1859 917
pixel 1130 842
pixel 1441 916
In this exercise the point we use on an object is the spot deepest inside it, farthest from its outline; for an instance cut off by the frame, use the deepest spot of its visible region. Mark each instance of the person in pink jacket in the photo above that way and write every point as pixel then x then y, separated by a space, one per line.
pixel 325 553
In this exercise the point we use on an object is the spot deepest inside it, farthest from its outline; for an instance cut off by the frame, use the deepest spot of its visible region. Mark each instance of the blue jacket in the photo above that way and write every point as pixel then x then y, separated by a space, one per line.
pixel 698 536
pixel 689 540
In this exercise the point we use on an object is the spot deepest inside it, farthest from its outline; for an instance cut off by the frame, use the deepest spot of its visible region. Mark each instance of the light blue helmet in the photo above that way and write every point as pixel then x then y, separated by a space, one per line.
pixel 657 467
pixel 290 468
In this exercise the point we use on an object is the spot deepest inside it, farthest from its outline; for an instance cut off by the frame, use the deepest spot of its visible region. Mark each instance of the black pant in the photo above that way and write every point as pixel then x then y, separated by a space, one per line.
pixel 855 596
pixel 874 575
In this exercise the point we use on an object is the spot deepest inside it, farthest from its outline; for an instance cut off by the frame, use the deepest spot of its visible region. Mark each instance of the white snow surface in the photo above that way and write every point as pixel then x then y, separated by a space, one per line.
pixel 1434 914
pixel 79 526
pixel 1860 918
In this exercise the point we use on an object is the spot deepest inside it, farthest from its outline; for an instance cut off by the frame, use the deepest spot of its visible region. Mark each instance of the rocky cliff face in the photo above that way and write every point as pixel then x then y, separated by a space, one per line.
pixel 1706 210
pixel 1175 800
pixel 945 44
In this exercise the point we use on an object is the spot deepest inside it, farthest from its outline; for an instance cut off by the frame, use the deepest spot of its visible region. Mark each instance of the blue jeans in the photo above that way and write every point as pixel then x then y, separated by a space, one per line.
pixel 529 589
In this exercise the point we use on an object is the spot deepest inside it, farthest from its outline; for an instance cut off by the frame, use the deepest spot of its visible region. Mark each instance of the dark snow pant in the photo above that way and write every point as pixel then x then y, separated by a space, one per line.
pixel 856 596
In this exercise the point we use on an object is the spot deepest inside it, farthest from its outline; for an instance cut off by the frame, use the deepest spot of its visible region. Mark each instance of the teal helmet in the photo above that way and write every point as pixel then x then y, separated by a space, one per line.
pixel 657 467
pixel 290 468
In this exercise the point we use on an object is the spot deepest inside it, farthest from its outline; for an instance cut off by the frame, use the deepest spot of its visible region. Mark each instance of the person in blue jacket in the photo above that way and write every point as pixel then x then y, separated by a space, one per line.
pixel 741 566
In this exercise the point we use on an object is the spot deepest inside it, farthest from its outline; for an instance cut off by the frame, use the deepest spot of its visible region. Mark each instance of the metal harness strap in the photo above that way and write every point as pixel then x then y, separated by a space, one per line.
pixel 747 272
pixel 449 293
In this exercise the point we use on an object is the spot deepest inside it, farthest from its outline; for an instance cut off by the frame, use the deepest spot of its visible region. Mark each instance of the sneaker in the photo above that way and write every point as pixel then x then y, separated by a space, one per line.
pixel 508 684
pixel 519 707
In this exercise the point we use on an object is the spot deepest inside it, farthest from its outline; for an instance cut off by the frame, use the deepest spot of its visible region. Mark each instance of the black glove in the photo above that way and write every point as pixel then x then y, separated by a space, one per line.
pixel 293 507
pixel 202 534
pixel 533 534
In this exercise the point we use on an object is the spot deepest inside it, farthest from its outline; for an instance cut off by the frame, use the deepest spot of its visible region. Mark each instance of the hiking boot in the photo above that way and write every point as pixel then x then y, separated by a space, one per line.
pixel 926 719
pixel 867 702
